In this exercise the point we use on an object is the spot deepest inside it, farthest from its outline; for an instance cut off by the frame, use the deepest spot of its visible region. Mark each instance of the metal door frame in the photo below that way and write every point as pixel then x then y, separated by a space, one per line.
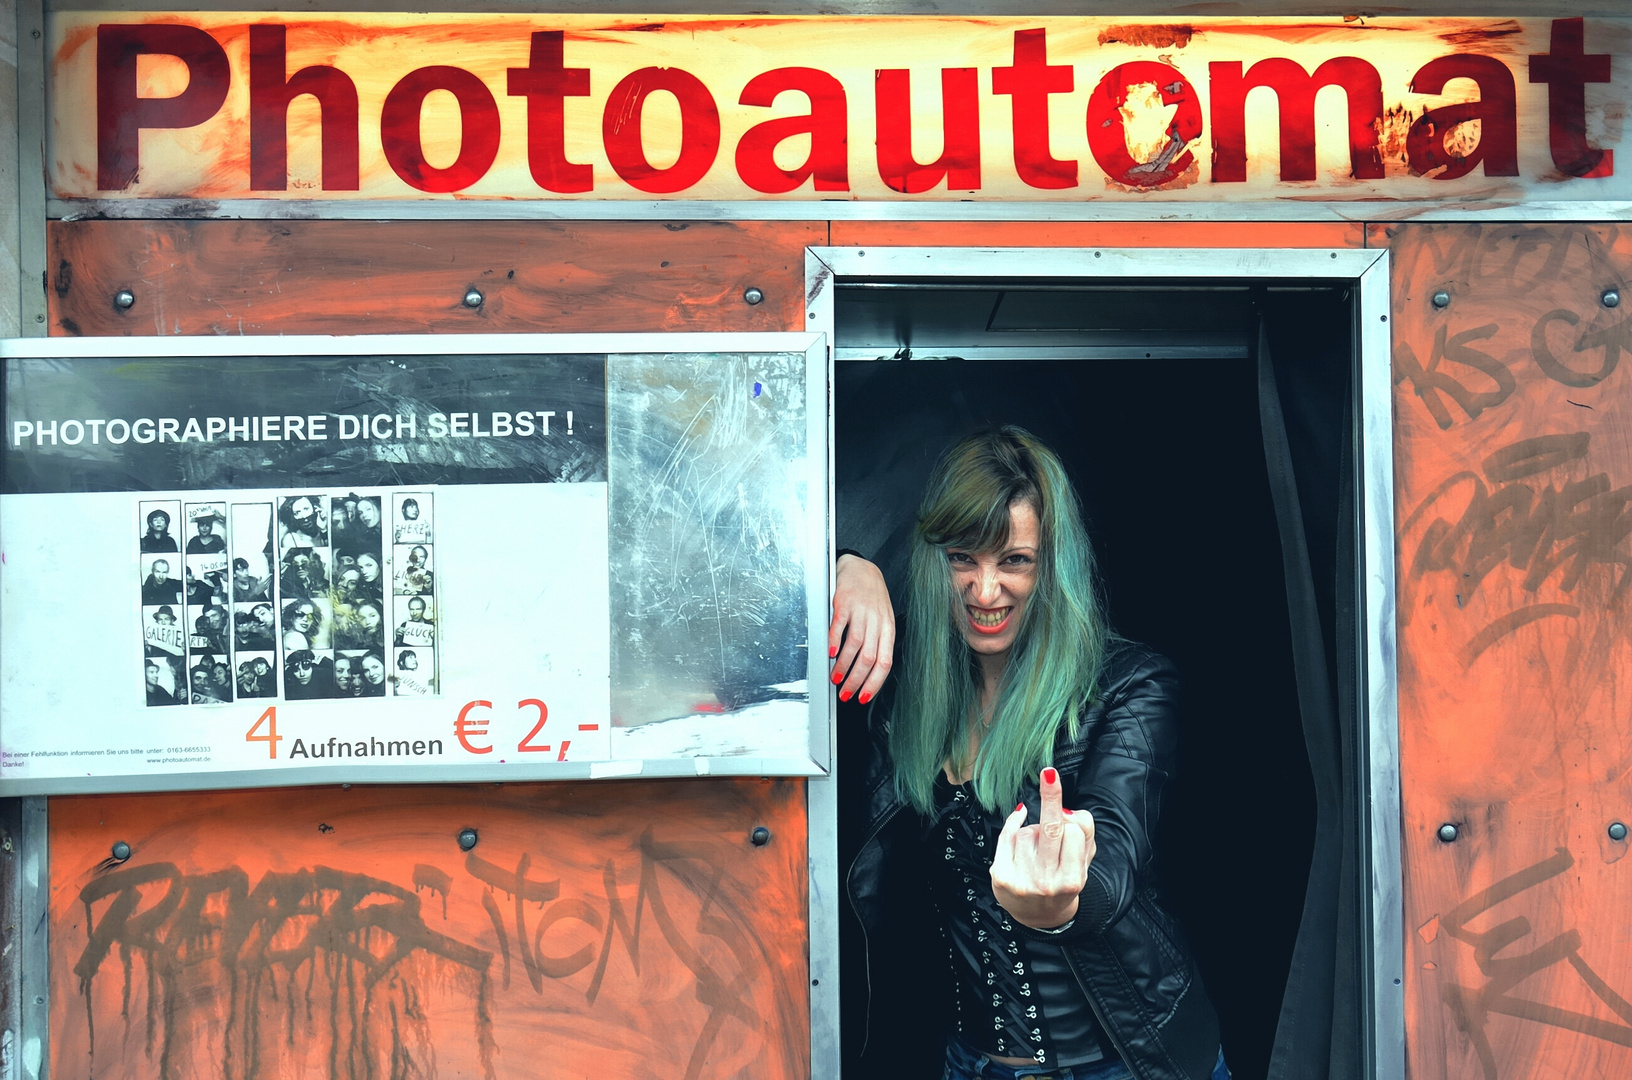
pixel 1366 272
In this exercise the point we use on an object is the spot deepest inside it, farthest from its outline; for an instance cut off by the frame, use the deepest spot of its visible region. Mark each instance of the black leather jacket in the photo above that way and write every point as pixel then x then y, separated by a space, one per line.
pixel 1126 951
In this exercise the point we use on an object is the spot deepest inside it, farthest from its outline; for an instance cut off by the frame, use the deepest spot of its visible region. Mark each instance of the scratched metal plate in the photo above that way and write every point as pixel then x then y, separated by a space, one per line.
pixel 323 932
pixel 707 513
pixel 1513 471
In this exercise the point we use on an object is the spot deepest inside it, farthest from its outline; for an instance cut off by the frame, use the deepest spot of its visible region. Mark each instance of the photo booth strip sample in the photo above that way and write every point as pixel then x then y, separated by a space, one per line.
pixel 207 590
pixel 159 579
pixel 413 585
pixel 250 541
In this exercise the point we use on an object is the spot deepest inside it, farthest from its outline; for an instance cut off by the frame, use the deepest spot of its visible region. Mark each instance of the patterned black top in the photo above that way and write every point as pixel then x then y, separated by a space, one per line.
pixel 1016 997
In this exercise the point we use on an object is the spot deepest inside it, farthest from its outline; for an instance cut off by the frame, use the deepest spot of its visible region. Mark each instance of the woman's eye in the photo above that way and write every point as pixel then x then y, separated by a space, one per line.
pixel 958 558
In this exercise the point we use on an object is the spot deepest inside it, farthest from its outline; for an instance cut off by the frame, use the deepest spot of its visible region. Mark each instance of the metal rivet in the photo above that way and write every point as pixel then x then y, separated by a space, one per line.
pixel 1611 298
pixel 467 839
pixel 753 295
pixel 1442 299
pixel 124 299
pixel 760 836
pixel 39 999
pixel 474 298
pixel 1447 833
pixel 121 851
pixel 1617 831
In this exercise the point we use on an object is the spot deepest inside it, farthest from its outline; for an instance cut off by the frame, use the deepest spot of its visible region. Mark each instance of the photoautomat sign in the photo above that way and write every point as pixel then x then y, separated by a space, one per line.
pixel 373 560
pixel 404 106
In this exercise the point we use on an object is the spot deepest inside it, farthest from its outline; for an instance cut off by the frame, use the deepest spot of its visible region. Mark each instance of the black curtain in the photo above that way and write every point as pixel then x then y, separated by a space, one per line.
pixel 1305 395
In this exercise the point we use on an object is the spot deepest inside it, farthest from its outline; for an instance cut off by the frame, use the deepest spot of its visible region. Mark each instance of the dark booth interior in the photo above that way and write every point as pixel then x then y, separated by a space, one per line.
pixel 1163 401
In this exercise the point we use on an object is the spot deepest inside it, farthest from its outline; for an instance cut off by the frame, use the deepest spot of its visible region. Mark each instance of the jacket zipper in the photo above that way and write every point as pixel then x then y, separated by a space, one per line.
pixel 866 941
pixel 1116 1043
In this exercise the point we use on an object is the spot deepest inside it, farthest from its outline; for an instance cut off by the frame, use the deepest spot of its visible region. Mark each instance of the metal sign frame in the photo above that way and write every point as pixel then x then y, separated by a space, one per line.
pixel 1375 662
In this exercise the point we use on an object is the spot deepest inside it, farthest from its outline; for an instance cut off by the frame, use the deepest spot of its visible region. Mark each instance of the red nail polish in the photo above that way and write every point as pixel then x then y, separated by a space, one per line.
pixel 1019 807
pixel 838 677
pixel 1050 776
pixel 844 696
pixel 864 698
pixel 1067 809
pixel 832 651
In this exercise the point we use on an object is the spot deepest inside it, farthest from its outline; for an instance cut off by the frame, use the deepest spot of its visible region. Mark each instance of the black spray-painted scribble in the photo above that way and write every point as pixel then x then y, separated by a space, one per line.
pixel 1468 255
pixel 1438 387
pixel 1433 384
pixel 1473 524
pixel 330 942
pixel 1471 1007
pixel 700 870
pixel 352 931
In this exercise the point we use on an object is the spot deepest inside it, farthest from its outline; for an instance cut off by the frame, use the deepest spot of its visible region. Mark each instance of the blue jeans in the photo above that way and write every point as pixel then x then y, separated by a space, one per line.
pixel 964 1062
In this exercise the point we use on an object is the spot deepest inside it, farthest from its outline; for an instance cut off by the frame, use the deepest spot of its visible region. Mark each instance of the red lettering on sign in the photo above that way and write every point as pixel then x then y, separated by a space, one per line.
pixel 269 97
pixel 1030 81
pixel 1496 111
pixel 1295 91
pixel 1107 129
pixel 699 129
pixel 121 114
pixel 959 163
pixel 546 83
pixel 467 727
pixel 1566 70
pixel 827 125
pixel 527 745
pixel 478 121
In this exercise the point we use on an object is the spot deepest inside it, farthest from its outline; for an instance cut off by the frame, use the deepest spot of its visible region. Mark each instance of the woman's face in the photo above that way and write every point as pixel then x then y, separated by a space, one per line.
pixel 373 670
pixel 992 587
pixel 304 617
pixel 369 566
pixel 302 511
pixel 369 617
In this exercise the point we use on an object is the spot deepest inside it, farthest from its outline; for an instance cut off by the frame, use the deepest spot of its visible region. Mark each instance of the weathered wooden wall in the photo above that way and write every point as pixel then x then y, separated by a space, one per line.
pixel 619 929
pixel 1513 459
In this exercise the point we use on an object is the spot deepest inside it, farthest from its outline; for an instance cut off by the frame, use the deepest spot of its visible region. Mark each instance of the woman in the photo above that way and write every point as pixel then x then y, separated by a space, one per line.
pixel 1015 693
pixel 302 523
pixel 369 585
pixel 373 675
pixel 302 626
pixel 364 629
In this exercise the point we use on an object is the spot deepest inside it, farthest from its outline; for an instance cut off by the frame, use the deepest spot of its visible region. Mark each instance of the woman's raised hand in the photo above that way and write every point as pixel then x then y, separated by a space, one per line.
pixel 861 638
pixel 1039 870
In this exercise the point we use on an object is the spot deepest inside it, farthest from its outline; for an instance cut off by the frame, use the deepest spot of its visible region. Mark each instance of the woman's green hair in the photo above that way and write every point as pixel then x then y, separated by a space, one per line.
pixel 1054 664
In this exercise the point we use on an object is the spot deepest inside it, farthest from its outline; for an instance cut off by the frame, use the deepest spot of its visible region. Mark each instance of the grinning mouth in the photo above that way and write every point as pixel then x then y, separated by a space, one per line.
pixel 989 620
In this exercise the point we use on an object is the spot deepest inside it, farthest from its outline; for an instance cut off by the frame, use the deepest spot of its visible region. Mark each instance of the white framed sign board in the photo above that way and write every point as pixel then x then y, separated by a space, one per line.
pixel 248 562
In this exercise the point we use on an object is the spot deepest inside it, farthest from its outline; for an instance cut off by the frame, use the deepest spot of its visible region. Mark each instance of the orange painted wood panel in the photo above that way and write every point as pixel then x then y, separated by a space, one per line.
pixel 616 929
pixel 1513 458
pixel 1098 234
pixel 353 277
